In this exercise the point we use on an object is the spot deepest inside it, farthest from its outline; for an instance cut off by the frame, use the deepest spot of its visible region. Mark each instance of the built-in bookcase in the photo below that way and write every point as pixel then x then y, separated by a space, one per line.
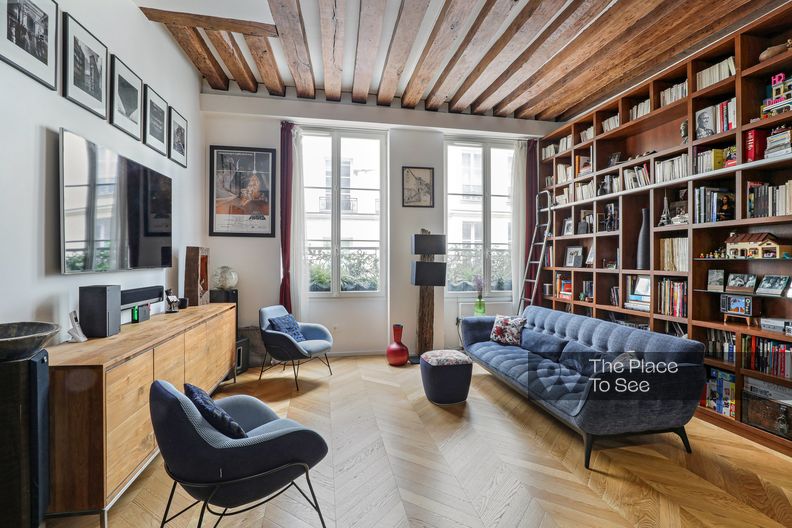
pixel 649 139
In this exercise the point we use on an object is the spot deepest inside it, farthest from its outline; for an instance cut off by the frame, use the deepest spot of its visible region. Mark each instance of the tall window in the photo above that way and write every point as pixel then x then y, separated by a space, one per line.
pixel 343 180
pixel 479 216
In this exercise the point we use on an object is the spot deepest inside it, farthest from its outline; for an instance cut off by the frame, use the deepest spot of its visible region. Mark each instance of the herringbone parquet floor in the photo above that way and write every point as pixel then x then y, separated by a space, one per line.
pixel 495 462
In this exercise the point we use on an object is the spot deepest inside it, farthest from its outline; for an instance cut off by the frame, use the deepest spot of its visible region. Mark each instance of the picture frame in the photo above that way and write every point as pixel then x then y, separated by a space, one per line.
pixel 590 257
pixel 242 185
pixel 177 137
pixel 741 283
pixel 773 285
pixel 614 159
pixel 84 68
pixel 155 121
pixel 569 227
pixel 30 54
pixel 574 257
pixel 126 101
pixel 715 280
pixel 417 187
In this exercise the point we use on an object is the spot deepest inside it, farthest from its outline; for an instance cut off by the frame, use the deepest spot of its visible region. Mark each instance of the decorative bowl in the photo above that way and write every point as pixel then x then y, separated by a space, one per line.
pixel 21 340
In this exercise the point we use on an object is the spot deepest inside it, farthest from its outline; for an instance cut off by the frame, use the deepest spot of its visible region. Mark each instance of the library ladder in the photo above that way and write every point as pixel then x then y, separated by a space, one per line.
pixel 536 253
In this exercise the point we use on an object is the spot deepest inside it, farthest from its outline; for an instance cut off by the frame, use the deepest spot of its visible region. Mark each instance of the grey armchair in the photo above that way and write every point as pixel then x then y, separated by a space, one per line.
pixel 283 348
pixel 221 472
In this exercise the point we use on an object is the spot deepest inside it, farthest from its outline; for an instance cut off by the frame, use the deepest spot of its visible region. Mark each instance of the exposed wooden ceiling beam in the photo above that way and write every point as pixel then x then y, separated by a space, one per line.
pixel 519 35
pixel 200 55
pixel 446 31
pixel 372 13
pixel 679 37
pixel 261 51
pixel 291 29
pixel 177 18
pixel 470 51
pixel 229 52
pixel 411 13
pixel 331 16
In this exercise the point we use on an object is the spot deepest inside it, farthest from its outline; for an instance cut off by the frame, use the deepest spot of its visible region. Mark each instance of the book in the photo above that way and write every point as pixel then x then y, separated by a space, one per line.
pixel 765 200
pixel 672 297
pixel 755 144
pixel 674 93
pixel 768 356
pixel 674 254
pixel 640 110
pixel 721 345
pixel 672 168
pixel 610 123
pixel 715 73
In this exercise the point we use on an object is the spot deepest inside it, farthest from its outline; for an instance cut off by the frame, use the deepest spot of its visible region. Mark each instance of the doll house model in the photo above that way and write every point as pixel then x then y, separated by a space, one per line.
pixel 755 246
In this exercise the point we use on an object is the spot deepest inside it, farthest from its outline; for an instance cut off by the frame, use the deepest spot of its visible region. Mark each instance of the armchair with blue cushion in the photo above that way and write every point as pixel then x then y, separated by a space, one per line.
pixel 224 472
pixel 313 342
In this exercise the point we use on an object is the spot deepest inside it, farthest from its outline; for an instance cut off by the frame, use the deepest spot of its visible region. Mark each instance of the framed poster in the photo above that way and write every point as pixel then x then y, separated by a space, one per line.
pixel 84 68
pixel 417 187
pixel 29 38
pixel 126 103
pixel 155 133
pixel 177 147
pixel 241 191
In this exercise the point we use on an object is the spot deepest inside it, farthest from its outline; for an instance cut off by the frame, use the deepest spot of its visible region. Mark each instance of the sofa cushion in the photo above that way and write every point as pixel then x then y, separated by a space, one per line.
pixel 507 329
pixel 288 325
pixel 217 417
pixel 545 345
pixel 581 358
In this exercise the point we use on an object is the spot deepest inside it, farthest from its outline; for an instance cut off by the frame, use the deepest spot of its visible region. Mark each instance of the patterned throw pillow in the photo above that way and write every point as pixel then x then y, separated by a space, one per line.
pixel 217 417
pixel 507 330
pixel 288 325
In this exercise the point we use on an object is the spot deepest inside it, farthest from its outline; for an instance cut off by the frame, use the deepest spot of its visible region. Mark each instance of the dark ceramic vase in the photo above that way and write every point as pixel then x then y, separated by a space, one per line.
pixel 397 353
pixel 642 257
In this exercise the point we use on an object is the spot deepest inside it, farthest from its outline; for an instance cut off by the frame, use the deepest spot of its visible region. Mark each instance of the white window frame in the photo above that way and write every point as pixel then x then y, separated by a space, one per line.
pixel 486 145
pixel 335 215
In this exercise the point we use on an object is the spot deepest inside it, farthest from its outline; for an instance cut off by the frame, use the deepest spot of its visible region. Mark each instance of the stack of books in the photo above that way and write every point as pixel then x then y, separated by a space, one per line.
pixel 713 204
pixel 587 290
pixel 564 172
pixel 587 134
pixel 674 254
pixel 779 144
pixel 722 393
pixel 768 356
pixel 716 73
pixel 769 200
pixel 672 297
pixel 674 93
pixel 584 191
pixel 721 345
pixel 715 159
pixel 610 123
pixel 638 297
pixel 565 143
pixel 636 177
pixel 563 287
pixel 672 169
pixel 549 151
pixel 640 110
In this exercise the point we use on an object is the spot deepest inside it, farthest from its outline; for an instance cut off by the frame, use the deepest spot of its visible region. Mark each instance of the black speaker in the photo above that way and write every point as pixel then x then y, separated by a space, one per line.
pixel 100 310
pixel 140 296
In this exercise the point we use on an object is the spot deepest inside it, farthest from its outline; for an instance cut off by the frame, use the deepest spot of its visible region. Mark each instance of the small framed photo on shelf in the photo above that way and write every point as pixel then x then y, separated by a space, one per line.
pixel 715 280
pixel 574 257
pixel 569 227
pixel 773 285
pixel 590 257
pixel 614 159
pixel 741 283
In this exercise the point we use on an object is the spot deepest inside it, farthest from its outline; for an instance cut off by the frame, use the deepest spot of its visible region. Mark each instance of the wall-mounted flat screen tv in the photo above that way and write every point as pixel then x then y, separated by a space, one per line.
pixel 115 213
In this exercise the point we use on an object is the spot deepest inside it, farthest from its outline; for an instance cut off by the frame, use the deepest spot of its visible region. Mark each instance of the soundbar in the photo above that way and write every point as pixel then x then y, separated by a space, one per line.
pixel 140 296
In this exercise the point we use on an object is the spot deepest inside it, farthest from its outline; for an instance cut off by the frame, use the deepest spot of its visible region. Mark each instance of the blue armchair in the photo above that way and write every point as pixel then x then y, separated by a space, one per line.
pixel 283 348
pixel 224 473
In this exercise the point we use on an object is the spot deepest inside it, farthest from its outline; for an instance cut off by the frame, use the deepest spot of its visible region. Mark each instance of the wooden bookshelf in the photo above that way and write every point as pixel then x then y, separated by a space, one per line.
pixel 655 137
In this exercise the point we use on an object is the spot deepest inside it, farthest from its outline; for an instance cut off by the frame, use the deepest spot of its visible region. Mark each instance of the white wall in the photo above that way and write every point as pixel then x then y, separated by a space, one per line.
pixel 32 286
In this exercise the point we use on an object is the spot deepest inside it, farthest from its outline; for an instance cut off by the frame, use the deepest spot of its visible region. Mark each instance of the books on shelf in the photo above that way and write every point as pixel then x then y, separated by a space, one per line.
pixel 635 177
pixel 584 191
pixel 722 393
pixel 563 287
pixel 721 345
pixel 565 197
pixel 672 168
pixel 713 204
pixel 611 123
pixel 715 119
pixel 672 297
pixel 768 356
pixel 779 144
pixel 716 73
pixel 766 200
pixel 549 151
pixel 638 293
pixel 564 173
pixel 674 93
pixel 610 184
pixel 614 296
pixel 755 144
pixel 582 165
pixel 715 159
pixel 587 134
pixel 565 143
pixel 674 254
pixel 640 110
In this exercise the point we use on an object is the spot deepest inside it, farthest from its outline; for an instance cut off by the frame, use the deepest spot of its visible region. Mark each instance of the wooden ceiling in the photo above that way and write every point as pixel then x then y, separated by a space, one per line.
pixel 529 59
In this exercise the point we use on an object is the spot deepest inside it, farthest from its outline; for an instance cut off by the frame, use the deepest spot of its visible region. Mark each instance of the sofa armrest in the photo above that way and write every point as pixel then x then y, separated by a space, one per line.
pixel 635 401
pixel 247 411
pixel 476 329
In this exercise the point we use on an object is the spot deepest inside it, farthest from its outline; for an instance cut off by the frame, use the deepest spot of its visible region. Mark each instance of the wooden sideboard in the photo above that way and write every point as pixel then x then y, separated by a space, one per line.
pixel 101 436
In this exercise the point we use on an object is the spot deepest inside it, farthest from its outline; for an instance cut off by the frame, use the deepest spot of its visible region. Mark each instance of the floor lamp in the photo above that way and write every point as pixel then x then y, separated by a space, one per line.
pixel 426 274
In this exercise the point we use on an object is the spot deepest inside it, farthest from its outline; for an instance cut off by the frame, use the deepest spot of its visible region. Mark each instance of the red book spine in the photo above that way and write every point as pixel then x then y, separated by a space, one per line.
pixel 755 144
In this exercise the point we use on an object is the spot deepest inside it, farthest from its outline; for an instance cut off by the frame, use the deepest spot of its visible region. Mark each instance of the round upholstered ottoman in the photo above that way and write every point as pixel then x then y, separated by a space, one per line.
pixel 446 376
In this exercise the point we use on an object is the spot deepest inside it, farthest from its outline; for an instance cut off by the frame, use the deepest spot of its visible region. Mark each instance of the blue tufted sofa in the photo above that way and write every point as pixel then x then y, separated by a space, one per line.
pixel 554 367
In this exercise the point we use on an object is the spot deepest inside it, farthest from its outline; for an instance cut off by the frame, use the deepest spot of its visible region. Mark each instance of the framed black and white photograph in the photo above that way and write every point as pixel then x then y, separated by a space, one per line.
pixel 574 257
pixel 84 68
pixel 241 191
pixel 177 149
pixel 29 38
pixel 155 129
pixel 569 227
pixel 715 280
pixel 126 102
pixel 417 187
pixel 773 285
pixel 741 283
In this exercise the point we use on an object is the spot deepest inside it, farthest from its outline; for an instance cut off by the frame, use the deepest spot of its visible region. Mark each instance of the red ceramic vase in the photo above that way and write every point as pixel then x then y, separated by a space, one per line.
pixel 397 353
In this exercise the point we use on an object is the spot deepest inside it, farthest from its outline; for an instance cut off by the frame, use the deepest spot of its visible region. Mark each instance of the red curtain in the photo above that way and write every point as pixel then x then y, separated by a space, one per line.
pixel 531 190
pixel 286 212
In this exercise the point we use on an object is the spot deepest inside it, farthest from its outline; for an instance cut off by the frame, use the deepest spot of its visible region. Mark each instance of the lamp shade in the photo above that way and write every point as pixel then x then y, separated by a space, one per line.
pixel 428 273
pixel 428 244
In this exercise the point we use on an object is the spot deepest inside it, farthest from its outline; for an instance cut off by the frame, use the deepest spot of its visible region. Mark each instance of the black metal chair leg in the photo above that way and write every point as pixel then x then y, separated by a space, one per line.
pixel 296 371
pixel 263 364
pixel 200 518
pixel 327 362
pixel 220 517
pixel 683 435
pixel 588 440
pixel 167 508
